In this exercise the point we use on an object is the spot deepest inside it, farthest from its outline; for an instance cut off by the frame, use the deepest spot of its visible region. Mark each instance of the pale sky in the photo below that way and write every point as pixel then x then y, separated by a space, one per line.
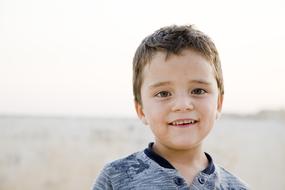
pixel 74 57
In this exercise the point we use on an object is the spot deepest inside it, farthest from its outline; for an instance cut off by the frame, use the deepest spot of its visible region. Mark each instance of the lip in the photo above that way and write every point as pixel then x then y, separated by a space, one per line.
pixel 183 123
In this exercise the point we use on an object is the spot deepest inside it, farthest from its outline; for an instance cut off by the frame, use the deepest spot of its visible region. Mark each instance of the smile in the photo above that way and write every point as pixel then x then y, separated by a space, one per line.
pixel 183 123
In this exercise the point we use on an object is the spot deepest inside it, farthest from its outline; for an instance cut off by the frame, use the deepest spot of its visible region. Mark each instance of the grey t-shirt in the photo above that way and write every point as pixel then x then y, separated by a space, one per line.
pixel 147 171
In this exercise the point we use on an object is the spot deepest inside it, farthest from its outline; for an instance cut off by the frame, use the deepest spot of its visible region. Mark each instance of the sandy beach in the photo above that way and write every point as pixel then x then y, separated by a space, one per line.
pixel 68 152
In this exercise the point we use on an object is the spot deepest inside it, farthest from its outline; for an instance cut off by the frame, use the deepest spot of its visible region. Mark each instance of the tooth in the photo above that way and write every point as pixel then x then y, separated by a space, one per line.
pixel 183 122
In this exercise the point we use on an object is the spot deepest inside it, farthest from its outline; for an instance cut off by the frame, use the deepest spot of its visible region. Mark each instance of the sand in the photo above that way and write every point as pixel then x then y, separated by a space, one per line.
pixel 61 153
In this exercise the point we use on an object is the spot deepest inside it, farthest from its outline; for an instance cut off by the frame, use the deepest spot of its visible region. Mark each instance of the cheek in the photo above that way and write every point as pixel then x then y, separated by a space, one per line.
pixel 209 107
pixel 154 113
pixel 208 115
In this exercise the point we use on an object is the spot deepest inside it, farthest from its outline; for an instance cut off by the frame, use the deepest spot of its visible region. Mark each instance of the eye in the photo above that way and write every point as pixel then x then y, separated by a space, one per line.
pixel 198 91
pixel 163 94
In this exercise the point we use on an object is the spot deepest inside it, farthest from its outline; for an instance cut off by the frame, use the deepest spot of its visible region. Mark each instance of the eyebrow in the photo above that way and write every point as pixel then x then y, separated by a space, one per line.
pixel 201 82
pixel 155 85
pixel 159 84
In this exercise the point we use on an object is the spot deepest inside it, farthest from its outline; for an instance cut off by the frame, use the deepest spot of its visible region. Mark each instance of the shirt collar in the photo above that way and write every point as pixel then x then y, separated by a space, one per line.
pixel 164 163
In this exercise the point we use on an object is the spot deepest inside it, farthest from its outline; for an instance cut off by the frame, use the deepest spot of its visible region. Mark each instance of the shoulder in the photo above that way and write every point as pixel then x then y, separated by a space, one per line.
pixel 121 172
pixel 229 180
pixel 135 162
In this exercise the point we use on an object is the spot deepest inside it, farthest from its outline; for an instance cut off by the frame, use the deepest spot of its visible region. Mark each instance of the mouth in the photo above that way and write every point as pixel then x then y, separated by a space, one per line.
pixel 183 123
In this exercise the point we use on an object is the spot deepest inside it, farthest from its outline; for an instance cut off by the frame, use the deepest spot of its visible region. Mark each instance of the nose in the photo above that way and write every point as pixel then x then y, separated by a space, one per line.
pixel 183 103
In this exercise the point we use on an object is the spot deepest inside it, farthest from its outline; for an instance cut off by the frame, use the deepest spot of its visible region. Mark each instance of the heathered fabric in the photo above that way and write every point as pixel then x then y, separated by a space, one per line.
pixel 138 171
pixel 164 163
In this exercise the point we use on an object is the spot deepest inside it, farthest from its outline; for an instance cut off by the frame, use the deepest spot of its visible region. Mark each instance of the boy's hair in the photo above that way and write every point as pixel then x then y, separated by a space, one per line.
pixel 173 40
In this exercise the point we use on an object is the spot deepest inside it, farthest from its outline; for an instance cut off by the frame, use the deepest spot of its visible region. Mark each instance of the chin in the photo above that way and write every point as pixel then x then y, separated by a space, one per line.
pixel 185 145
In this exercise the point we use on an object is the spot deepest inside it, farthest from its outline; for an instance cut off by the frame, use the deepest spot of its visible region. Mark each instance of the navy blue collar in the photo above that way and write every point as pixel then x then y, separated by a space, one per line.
pixel 164 163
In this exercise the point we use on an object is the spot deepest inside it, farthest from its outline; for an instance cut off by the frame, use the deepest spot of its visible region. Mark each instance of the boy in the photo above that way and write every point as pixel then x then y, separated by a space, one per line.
pixel 178 90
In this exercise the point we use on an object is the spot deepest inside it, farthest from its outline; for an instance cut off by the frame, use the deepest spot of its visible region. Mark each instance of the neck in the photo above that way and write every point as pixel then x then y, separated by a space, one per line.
pixel 189 162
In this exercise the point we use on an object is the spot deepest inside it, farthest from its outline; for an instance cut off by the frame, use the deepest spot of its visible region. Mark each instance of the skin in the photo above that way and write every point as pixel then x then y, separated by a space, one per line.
pixel 180 89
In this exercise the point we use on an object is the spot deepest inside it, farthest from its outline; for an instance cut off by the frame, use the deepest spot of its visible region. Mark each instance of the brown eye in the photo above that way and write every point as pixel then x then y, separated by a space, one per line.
pixel 198 91
pixel 163 94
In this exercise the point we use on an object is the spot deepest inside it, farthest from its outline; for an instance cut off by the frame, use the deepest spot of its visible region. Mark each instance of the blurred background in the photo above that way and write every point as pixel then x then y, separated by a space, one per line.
pixel 66 104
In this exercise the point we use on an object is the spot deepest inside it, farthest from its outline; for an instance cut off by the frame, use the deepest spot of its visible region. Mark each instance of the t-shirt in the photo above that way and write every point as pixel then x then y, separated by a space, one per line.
pixel 146 170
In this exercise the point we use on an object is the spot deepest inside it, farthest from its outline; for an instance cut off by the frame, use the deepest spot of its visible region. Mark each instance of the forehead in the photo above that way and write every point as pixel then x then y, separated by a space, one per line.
pixel 188 64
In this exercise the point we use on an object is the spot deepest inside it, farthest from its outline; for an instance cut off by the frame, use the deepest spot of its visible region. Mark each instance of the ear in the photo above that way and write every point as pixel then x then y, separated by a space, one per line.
pixel 220 105
pixel 140 113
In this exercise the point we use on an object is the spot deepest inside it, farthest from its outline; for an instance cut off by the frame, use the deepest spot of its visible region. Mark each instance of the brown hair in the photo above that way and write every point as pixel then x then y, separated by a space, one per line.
pixel 173 40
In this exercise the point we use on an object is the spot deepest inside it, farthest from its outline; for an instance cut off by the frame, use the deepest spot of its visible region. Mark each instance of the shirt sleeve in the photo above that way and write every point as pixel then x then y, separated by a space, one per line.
pixel 103 181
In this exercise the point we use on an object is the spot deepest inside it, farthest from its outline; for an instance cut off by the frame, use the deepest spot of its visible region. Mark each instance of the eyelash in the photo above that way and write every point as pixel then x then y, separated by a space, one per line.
pixel 165 94
pixel 198 89
pixel 159 94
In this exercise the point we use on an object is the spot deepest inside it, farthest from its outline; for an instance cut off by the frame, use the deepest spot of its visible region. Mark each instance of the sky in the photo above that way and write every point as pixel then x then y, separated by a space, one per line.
pixel 74 57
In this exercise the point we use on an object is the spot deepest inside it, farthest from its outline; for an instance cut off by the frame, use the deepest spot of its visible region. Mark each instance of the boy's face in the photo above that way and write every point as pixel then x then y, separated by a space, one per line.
pixel 180 99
